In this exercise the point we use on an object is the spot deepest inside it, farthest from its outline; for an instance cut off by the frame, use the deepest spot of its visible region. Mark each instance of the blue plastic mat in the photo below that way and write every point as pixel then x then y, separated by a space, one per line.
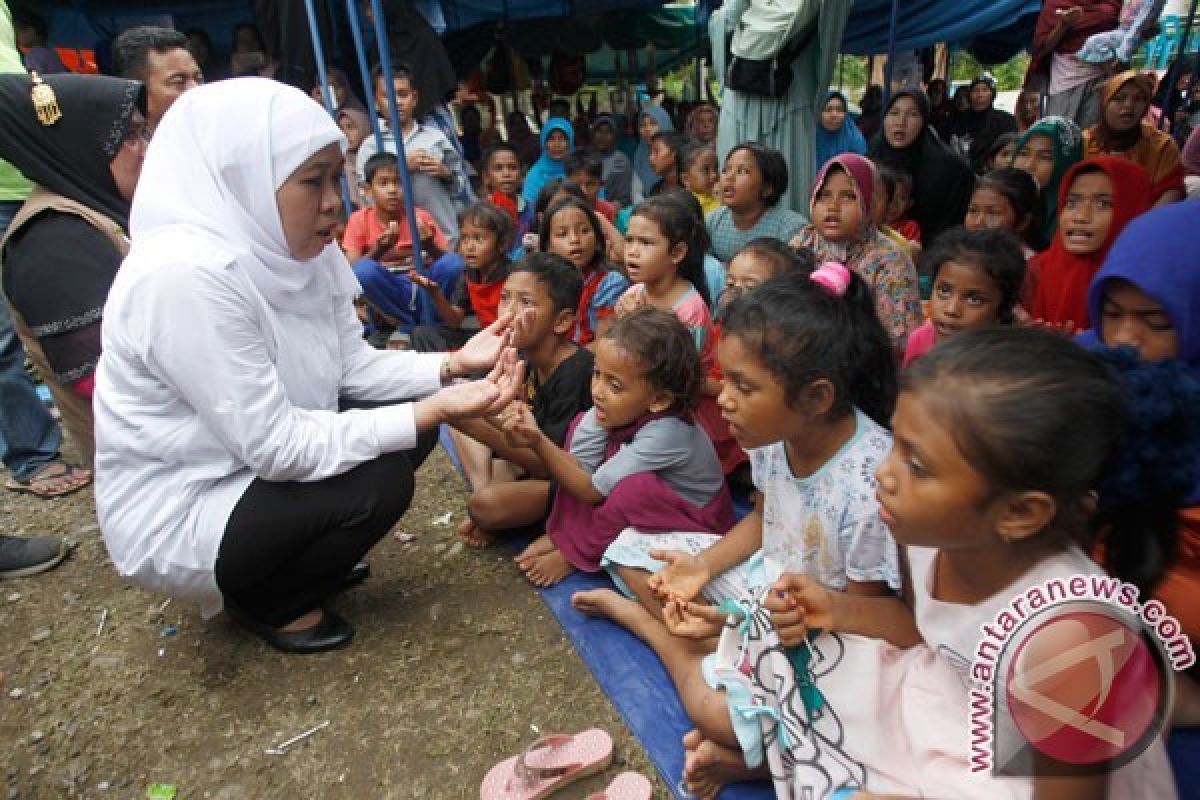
pixel 636 683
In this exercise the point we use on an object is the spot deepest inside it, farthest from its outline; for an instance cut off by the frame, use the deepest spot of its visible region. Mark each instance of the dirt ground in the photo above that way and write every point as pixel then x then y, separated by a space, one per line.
pixel 105 689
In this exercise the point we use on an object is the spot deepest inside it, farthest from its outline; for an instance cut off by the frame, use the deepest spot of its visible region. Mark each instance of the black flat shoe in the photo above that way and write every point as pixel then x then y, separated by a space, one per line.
pixel 330 633
pixel 357 574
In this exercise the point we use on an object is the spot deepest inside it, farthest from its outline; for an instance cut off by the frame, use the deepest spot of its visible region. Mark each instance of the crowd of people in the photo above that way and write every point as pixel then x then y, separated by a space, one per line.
pixel 965 363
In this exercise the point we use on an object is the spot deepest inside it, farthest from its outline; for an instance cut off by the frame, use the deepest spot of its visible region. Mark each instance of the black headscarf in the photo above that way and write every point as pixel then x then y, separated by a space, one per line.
pixel 978 130
pixel 71 157
pixel 942 181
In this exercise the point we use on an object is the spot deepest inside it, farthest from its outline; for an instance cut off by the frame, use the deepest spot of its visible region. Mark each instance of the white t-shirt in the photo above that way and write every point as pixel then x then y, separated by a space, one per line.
pixel 827 525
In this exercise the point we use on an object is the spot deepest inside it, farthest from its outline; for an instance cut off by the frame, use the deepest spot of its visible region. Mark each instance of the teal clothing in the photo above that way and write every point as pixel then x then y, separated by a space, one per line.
pixel 760 29
pixel 13 186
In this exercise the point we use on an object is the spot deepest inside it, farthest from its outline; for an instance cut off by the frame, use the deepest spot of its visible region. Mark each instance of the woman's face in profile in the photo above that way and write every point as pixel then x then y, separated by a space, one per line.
pixel 309 201
pixel 126 165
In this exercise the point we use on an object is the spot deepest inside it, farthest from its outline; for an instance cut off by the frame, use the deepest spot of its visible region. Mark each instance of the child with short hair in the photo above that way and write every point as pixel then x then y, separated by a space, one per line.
pixel 585 168
pixel 379 245
pixel 665 150
pixel 1097 199
pixel 843 230
pixel 434 164
pixel 1007 199
pixel 502 180
pixel 753 179
pixel 977 280
pixel 758 262
pixel 356 126
pixel 572 230
pixel 635 459
pixel 486 239
pixel 558 389
pixel 898 202
pixel 699 174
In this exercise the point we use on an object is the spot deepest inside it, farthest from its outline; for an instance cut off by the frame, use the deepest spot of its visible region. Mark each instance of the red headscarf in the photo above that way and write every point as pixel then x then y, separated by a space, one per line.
pixel 1062 278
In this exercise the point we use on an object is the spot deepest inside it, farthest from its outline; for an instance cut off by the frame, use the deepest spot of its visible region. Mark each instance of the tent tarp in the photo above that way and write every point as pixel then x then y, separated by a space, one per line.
pixel 923 23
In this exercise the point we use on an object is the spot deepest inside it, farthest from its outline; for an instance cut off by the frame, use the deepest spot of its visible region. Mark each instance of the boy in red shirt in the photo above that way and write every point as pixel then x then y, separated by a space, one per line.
pixel 379 245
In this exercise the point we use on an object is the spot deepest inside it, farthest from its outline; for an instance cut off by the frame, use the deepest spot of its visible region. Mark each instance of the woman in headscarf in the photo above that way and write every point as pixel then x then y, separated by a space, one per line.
pixel 941 109
pixel 973 131
pixel 63 248
pixel 344 97
pixel 839 234
pixel 225 473
pixel 702 123
pixel 652 119
pixel 1123 131
pixel 942 181
pixel 836 131
pixel 618 170
pixel 1097 199
pixel 558 140
pixel 871 117
pixel 1046 151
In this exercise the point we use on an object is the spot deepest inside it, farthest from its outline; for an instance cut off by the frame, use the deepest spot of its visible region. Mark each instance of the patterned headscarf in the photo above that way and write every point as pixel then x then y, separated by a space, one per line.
pixel 1068 151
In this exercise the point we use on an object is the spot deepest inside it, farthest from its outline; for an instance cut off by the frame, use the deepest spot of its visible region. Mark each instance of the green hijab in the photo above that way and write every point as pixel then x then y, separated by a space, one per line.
pixel 1068 149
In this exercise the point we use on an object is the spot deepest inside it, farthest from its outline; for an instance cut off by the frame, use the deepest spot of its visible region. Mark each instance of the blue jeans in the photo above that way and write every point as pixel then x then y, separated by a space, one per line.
pixel 29 436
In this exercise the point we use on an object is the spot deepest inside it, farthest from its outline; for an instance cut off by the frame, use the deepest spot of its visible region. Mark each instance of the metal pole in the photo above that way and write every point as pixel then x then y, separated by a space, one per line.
pixel 326 91
pixel 385 61
pixel 368 85
pixel 891 54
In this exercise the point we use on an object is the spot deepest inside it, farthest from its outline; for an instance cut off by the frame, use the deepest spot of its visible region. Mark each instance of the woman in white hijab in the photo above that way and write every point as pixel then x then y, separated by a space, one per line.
pixel 224 471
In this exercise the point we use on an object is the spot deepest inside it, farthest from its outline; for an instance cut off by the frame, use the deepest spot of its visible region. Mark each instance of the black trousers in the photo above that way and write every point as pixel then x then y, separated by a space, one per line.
pixel 288 544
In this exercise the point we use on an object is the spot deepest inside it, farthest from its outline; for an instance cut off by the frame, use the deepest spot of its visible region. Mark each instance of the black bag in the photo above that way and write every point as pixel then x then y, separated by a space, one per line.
pixel 768 78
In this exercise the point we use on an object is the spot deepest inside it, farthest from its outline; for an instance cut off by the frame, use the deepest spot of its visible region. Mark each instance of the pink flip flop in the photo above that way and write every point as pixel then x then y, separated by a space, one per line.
pixel 626 786
pixel 548 765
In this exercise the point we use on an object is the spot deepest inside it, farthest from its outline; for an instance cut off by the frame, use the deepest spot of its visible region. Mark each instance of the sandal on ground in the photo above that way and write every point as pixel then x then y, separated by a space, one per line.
pixel 55 479
pixel 626 786
pixel 547 765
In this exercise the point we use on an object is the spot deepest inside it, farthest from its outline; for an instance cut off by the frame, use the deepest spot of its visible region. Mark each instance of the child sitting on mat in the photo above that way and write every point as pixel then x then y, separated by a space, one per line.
pixel 548 288
pixel 636 459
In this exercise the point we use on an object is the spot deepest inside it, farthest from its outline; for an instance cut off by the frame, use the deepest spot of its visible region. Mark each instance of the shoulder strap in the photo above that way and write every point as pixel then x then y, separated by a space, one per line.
pixel 41 200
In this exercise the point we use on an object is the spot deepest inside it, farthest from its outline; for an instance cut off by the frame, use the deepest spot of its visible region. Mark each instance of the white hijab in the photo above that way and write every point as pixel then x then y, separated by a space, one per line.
pixel 213 167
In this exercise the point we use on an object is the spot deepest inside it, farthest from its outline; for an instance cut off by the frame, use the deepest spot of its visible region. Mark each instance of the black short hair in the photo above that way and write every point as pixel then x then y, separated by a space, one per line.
pixel 400 69
pixel 130 49
pixel 665 351
pixel 772 167
pixel 553 187
pixel 500 147
pixel 563 282
pixel 584 160
pixel 782 257
pixel 996 252
pixel 890 178
pixel 491 217
pixel 378 161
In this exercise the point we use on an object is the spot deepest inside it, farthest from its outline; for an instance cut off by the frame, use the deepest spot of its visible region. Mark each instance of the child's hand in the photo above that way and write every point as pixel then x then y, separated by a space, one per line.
pixel 478 398
pixel 684 576
pixel 482 349
pixel 629 302
pixel 692 620
pixel 386 240
pixel 521 427
pixel 798 603
pixel 424 281
pixel 424 232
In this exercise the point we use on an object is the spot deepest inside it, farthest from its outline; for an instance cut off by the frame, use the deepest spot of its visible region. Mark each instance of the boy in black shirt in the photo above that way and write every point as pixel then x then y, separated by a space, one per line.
pixel 559 386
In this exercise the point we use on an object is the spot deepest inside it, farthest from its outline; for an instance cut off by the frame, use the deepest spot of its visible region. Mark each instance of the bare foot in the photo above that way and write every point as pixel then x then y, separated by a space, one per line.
pixel 708 767
pixel 613 605
pixel 303 623
pixel 538 547
pixel 548 569
pixel 473 535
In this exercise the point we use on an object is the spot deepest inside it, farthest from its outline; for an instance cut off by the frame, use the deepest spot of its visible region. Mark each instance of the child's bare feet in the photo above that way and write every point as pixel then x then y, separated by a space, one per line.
pixel 538 547
pixel 613 605
pixel 708 767
pixel 547 569
pixel 473 535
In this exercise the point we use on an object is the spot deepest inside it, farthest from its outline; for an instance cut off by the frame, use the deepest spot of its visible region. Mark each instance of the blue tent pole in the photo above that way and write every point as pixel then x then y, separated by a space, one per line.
pixel 326 92
pixel 385 61
pixel 360 50
pixel 891 53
